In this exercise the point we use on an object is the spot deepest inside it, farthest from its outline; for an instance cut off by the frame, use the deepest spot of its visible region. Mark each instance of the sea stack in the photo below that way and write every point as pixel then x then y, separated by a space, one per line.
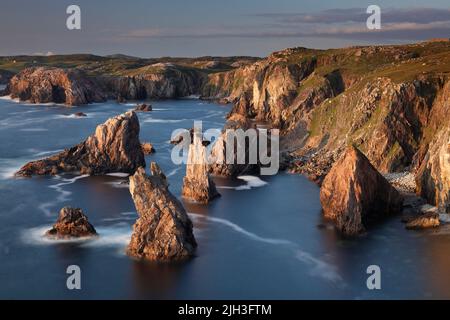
pixel 114 147
pixel 163 231
pixel 71 223
pixel 197 184
pixel 354 194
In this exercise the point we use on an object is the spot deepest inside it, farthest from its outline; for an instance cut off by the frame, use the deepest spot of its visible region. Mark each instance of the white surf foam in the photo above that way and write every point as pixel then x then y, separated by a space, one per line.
pixel 151 120
pixel 118 184
pixel 69 116
pixel 35 236
pixel 8 97
pixel 120 219
pixel 33 129
pixel 129 213
pixel 192 97
pixel 319 268
pixel 251 182
pixel 63 196
pixel 116 236
pixel 119 174
pixel 46 153
pixel 8 167
pixel 173 172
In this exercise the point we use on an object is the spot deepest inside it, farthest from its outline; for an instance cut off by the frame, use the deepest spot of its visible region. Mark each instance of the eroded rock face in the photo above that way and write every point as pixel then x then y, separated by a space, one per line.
pixel 197 184
pixel 433 176
pixel 114 147
pixel 320 106
pixel 218 164
pixel 355 195
pixel 71 223
pixel 163 231
pixel 43 85
pixel 157 81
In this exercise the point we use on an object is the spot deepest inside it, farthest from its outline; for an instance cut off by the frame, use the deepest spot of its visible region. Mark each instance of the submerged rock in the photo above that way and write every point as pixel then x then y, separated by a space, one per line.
pixel 354 194
pixel 147 148
pixel 143 107
pixel 163 231
pixel 428 220
pixel 114 147
pixel 71 223
pixel 80 114
pixel 197 184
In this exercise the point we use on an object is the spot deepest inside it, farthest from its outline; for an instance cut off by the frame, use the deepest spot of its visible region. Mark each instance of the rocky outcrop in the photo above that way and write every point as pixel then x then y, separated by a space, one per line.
pixel 156 81
pixel 71 223
pixel 43 85
pixel 426 221
pixel 355 195
pixel 76 87
pixel 147 148
pixel 433 176
pixel 114 147
pixel 143 107
pixel 163 231
pixel 197 184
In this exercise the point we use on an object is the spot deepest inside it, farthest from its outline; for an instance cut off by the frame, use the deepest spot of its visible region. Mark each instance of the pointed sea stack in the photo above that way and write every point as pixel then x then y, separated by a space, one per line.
pixel 354 194
pixel 163 231
pixel 197 184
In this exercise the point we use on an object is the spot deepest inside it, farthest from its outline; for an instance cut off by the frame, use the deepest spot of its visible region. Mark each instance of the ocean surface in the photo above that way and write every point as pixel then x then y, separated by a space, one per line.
pixel 263 239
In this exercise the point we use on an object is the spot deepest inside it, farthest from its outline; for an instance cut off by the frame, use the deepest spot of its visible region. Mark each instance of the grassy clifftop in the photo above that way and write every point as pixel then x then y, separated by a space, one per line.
pixel 120 65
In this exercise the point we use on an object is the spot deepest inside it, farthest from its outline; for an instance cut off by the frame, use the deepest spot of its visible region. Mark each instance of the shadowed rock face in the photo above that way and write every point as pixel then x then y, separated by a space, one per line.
pixel 219 166
pixel 354 194
pixel 5 76
pixel 42 85
pixel 114 147
pixel 197 184
pixel 71 223
pixel 433 176
pixel 163 231
pixel 165 82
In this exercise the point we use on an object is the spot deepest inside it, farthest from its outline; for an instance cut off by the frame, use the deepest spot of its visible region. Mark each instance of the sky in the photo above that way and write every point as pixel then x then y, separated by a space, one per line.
pixel 149 28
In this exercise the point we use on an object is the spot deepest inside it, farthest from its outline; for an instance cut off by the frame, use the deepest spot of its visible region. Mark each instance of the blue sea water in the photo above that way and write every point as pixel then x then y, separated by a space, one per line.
pixel 258 241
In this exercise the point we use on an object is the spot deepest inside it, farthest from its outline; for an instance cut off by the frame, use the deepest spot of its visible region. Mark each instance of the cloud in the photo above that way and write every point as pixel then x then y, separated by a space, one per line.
pixel 48 54
pixel 397 24
pixel 392 15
